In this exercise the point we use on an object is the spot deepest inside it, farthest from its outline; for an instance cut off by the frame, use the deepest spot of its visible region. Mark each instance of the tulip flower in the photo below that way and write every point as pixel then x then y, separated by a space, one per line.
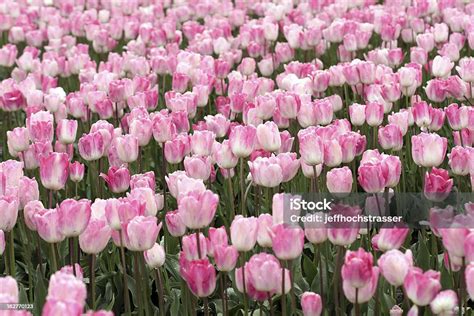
pixel 312 304
pixel 444 303
pixel 95 237
pixel 155 257
pixel 18 139
pixel 73 216
pixel 93 146
pixel 437 185
pixel 243 232
pixel 9 205
pixel 117 179
pixel 127 148
pixel 394 266
pixel 287 242
pixel 242 140
pixel 141 232
pixel 197 209
pixel 390 238
pixel 422 287
pixel 76 171
pixel 365 293
pixel 54 170
pixel 200 276
pixel 175 224
pixel 428 150
pixel 339 181
pixel 469 275
pixel 9 293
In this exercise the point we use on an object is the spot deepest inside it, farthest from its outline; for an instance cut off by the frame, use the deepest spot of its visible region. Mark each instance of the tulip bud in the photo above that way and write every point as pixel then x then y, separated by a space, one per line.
pixel 66 131
pixel 428 150
pixel 141 232
pixel 311 304
pixel 444 303
pixel 287 242
pixel 175 224
pixel 200 276
pixel 127 148
pixel 155 257
pixel 76 171
pixel 225 257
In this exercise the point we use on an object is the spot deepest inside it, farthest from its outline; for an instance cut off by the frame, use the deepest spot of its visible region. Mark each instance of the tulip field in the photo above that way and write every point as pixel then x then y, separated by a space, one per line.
pixel 236 157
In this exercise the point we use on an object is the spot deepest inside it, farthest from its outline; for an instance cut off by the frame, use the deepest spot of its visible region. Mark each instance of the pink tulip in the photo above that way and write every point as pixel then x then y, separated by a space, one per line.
pixel 428 150
pixel 224 156
pixel 9 293
pixel 311 304
pixel 373 176
pixel 339 181
pixel 374 113
pixel 152 202
pixel 47 224
pixel 143 180
pixel 121 211
pixel 390 137
pixel 311 146
pixel 155 257
pixel 437 185
pixel 287 242
pixel 243 232
pixel 54 169
pixel 268 136
pixel 73 216
pixel 225 257
pixel 141 232
pixel 457 116
pixel 200 276
pixel 266 172
pixel 164 129
pixel 176 149
pixel 466 68
pixel 365 293
pixel 66 131
pixel 441 66
pixel 422 287
pixel 76 171
pixel 264 273
pixel 67 288
pixel 9 207
pixel 93 146
pixel 357 114
pixel 390 238
pixel 394 265
pixel 198 167
pixel 53 307
pixel 217 237
pixel 127 148
pixel 175 224
pixel 357 269
pixel 117 179
pixel 444 303
pixel 29 191
pixel 242 140
pixel 265 224
pixel 18 139
pixel 202 142
pixel 459 160
pixel 40 126
pixel 198 209
pixel 95 237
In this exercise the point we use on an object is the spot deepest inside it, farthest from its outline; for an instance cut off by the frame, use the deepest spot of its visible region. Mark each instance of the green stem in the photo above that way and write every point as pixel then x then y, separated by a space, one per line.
pixel 54 260
pixel 124 272
pixel 159 289
pixel 138 282
pixel 242 265
pixel 92 279
pixel 242 187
